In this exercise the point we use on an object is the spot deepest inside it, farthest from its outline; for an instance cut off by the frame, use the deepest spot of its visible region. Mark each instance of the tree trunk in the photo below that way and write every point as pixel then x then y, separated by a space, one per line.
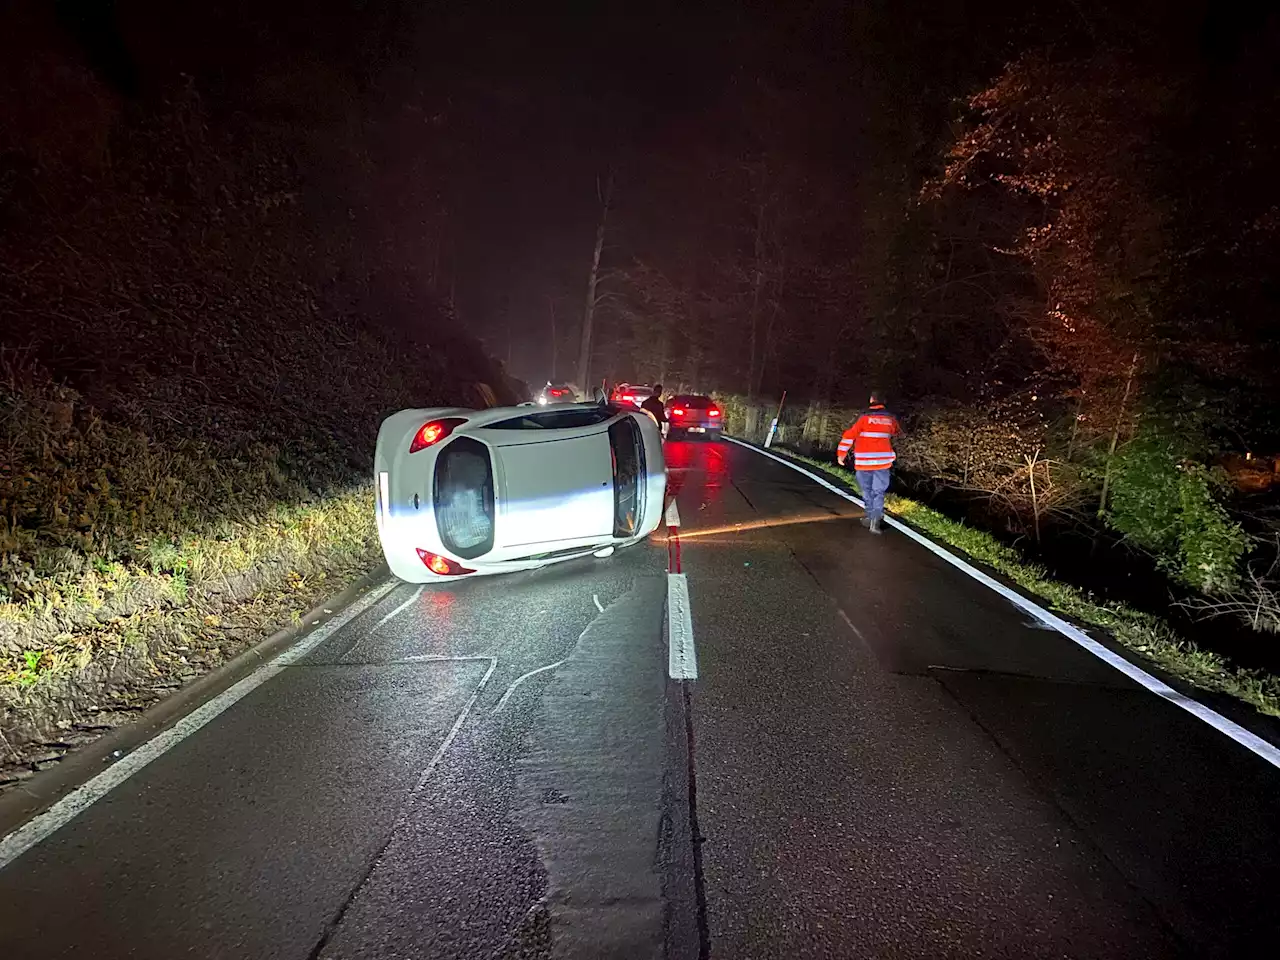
pixel 1035 502
pixel 664 351
pixel 767 352
pixel 551 303
pixel 757 285
pixel 1115 437
pixel 1075 427
pixel 589 309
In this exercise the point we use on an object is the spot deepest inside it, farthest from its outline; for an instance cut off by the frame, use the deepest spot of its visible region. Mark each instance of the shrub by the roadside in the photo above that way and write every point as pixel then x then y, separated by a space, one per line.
pixel 1170 505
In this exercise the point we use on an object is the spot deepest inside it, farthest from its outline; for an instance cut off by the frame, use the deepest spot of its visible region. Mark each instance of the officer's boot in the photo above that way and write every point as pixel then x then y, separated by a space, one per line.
pixel 875 525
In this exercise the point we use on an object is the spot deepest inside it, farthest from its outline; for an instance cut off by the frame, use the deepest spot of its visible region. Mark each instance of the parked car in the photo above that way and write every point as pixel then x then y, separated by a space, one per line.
pixel 694 415
pixel 634 393
pixel 472 492
pixel 557 393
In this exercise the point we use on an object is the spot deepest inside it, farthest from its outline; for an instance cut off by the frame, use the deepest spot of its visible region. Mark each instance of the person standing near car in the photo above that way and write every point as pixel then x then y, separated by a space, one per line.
pixel 871 439
pixel 653 406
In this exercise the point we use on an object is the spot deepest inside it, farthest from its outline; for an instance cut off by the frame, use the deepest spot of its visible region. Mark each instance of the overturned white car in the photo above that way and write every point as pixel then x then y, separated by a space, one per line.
pixel 470 492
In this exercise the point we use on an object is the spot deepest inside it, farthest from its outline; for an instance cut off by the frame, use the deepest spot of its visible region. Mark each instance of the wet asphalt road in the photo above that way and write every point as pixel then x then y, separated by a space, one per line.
pixel 880 758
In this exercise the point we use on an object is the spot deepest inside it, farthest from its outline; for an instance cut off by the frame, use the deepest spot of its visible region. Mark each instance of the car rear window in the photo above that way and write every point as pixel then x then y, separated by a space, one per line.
pixel 694 402
pixel 627 447
pixel 463 493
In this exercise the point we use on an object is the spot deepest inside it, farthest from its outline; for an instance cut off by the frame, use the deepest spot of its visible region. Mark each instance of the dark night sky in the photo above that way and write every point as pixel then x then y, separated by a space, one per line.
pixel 517 114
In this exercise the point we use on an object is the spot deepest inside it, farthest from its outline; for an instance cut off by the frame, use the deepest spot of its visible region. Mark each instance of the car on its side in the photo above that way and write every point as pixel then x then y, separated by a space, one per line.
pixel 633 393
pixel 693 414
pixel 470 492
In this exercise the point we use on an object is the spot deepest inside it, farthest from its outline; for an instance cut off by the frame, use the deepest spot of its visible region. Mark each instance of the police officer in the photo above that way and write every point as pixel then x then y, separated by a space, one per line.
pixel 871 439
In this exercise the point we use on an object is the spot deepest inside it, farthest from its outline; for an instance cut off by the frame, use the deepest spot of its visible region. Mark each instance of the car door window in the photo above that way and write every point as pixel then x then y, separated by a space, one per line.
pixel 555 420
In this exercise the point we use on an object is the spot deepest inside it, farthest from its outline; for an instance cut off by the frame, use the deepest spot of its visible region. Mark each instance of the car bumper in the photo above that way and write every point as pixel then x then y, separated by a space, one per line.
pixel 698 426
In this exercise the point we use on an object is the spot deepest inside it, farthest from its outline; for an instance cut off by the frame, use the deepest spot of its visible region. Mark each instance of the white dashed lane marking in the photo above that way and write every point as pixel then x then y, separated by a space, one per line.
pixel 682 655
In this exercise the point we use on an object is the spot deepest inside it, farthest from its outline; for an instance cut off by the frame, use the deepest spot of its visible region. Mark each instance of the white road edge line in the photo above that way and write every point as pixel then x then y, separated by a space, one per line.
pixel 388 617
pixel 77 801
pixel 521 679
pixel 673 514
pixel 1229 728
pixel 599 605
pixel 682 655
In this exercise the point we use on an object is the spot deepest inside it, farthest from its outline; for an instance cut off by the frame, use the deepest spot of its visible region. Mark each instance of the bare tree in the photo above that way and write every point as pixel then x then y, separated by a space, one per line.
pixel 555 352
pixel 605 195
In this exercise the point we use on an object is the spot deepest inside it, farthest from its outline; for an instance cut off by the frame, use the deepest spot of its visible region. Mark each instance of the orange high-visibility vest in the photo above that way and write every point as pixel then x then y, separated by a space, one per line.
pixel 871 438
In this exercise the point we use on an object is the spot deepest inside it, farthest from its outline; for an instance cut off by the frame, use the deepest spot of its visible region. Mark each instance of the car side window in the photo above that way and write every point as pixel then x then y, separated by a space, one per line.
pixel 627 448
pixel 555 420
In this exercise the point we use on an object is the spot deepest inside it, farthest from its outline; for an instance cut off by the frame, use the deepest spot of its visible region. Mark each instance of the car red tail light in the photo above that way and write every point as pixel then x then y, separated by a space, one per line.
pixel 713 412
pixel 433 432
pixel 441 566
pixel 677 411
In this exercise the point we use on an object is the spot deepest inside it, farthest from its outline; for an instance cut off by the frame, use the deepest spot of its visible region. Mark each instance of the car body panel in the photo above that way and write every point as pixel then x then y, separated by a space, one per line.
pixel 553 489
pixel 564 495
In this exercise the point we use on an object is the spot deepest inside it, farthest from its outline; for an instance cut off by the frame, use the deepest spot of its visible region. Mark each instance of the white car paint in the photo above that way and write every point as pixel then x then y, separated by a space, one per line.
pixel 559 493
pixel 553 488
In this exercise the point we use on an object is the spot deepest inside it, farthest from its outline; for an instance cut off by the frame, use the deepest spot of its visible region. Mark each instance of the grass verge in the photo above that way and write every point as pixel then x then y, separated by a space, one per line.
pixel 83 656
pixel 132 564
pixel 1148 636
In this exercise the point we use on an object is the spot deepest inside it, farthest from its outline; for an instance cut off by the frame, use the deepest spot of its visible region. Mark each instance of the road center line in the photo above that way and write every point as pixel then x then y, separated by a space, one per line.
pixel 682 655
pixel 1247 739
pixel 673 514
pixel 77 801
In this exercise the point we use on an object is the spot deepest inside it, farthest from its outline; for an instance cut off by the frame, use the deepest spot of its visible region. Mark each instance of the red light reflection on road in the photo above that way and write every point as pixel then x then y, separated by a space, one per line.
pixel 758 525
pixel 437 609
pixel 704 465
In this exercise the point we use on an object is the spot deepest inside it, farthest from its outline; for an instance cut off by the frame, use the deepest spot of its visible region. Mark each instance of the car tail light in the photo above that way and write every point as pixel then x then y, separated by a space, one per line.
pixel 677 411
pixel 628 398
pixel 442 566
pixel 433 432
pixel 713 412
